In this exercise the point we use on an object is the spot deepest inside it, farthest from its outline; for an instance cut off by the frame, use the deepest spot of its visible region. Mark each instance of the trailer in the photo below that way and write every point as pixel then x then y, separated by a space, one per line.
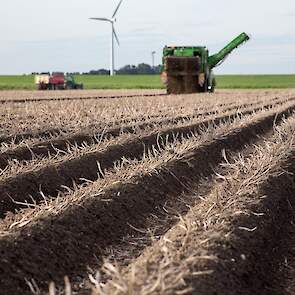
pixel 56 81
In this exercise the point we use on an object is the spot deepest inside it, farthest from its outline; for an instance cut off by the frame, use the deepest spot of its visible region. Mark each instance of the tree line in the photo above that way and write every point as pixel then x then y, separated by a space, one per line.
pixel 140 69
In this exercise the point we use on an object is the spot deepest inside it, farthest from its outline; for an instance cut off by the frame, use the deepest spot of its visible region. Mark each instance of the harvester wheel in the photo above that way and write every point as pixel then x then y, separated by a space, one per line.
pixel 213 86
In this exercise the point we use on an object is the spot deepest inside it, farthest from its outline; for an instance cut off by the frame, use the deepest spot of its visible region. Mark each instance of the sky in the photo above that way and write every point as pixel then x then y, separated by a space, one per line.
pixel 57 35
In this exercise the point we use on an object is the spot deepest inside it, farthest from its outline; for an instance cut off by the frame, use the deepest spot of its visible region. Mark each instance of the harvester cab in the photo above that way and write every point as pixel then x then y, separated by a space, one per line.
pixel 189 69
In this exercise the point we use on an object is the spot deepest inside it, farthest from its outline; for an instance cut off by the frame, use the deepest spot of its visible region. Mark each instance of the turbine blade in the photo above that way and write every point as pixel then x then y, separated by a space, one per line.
pixel 116 36
pixel 116 10
pixel 101 19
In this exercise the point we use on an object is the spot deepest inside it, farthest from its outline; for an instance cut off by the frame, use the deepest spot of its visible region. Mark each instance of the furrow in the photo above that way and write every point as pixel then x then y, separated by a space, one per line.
pixel 17 138
pixel 238 240
pixel 53 146
pixel 47 133
pixel 27 100
pixel 86 231
pixel 267 245
pixel 16 190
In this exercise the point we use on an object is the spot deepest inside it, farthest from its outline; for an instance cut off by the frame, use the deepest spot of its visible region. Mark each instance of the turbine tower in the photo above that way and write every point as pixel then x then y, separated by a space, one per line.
pixel 153 59
pixel 114 35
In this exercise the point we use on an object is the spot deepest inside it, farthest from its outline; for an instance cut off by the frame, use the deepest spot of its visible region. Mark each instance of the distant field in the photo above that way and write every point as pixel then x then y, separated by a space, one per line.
pixel 256 81
pixel 153 82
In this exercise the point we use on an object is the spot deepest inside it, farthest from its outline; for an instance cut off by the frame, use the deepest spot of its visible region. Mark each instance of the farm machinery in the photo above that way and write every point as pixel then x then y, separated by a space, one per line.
pixel 190 69
pixel 56 81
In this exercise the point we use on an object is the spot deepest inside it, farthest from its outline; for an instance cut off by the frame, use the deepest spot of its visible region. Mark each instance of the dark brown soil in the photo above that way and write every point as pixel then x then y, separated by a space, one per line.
pixel 52 147
pixel 17 138
pixel 50 179
pixel 65 245
pixel 264 270
pixel 26 100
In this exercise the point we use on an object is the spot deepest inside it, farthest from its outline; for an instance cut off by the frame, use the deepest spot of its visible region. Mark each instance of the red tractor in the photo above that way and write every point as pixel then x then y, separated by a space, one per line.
pixel 56 81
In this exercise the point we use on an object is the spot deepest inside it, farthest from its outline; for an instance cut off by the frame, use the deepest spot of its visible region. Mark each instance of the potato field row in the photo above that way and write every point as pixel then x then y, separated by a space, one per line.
pixel 147 193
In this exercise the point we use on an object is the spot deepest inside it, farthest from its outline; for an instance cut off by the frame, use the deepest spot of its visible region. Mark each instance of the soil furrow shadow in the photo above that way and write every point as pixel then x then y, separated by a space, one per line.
pixel 50 179
pixel 54 146
pixel 17 138
pixel 262 270
pixel 96 97
pixel 64 245
pixel 80 138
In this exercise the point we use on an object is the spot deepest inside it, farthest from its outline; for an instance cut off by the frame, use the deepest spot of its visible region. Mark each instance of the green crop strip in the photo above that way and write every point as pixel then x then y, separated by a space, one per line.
pixel 153 82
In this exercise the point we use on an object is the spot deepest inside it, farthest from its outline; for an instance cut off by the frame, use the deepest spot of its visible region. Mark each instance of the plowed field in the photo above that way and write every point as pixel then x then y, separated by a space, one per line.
pixel 144 193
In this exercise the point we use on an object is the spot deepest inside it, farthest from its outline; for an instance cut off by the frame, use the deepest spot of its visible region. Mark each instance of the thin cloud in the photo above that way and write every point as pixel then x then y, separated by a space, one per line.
pixel 144 26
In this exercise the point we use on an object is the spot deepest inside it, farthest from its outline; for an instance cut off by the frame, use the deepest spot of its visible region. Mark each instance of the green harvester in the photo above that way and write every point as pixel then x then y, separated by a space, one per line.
pixel 189 69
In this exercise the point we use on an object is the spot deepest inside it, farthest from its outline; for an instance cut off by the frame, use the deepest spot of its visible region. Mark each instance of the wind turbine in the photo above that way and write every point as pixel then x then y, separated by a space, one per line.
pixel 114 35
